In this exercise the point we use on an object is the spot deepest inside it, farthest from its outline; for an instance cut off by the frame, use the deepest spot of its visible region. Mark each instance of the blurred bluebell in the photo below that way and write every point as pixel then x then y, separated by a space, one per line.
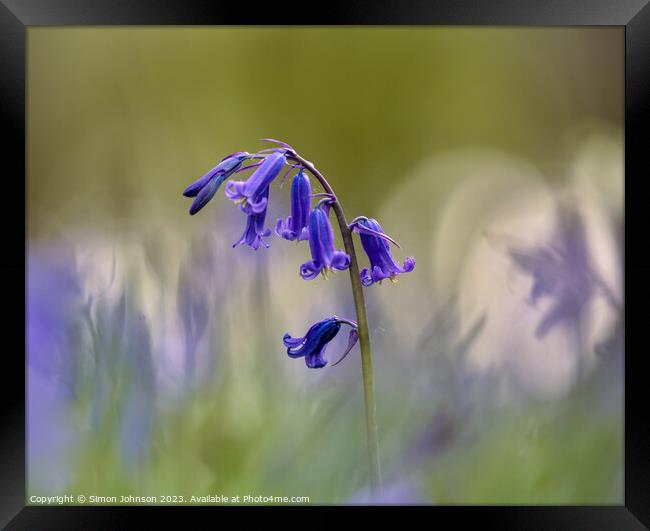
pixel 107 326
pixel 312 345
pixel 382 263
pixel 54 343
pixel 398 491
pixel 139 407
pixel 560 270
pixel 192 305
pixel 295 226
pixel 54 307
pixel 321 242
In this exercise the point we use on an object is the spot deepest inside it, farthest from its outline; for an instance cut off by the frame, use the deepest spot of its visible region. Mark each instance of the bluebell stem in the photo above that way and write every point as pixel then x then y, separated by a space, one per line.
pixel 295 227
pixel 205 188
pixel 321 242
pixel 313 344
pixel 382 264
pixel 252 198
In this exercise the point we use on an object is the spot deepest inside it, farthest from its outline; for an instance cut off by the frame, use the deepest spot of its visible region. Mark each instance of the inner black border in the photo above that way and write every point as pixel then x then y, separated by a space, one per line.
pixel 16 15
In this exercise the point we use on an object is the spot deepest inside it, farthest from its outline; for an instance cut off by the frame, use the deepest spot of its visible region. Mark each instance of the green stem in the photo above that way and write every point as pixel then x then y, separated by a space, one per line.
pixel 364 334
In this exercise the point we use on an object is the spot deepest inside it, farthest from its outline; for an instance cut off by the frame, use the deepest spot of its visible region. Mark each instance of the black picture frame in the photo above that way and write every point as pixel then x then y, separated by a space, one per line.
pixel 634 15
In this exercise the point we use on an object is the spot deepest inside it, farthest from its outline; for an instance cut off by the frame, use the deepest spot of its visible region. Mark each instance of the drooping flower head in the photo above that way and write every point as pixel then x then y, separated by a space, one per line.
pixel 321 242
pixel 295 226
pixel 382 264
pixel 254 231
pixel 313 344
pixel 205 188
pixel 249 194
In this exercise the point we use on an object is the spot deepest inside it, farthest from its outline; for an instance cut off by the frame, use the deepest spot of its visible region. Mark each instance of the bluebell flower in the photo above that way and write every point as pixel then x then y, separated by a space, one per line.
pixel 193 309
pixel 139 411
pixel 249 194
pixel 295 227
pixel 205 188
pixel 321 243
pixel 254 231
pixel 313 344
pixel 382 264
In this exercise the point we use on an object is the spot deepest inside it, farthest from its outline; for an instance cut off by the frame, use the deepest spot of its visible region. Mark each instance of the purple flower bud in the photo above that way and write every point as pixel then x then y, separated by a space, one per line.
pixel 313 344
pixel 382 264
pixel 205 188
pixel 254 231
pixel 249 194
pixel 296 224
pixel 321 243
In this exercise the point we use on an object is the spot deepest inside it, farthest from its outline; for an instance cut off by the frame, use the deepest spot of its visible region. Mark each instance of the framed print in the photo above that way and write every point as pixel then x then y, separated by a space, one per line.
pixel 377 261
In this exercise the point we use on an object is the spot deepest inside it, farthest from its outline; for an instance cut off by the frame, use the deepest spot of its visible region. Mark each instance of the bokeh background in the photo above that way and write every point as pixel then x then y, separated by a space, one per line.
pixel 155 357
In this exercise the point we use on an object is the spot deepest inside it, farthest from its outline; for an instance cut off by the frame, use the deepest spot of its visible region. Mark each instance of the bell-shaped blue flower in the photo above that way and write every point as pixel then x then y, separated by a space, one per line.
pixel 205 188
pixel 249 194
pixel 321 242
pixel 295 226
pixel 313 344
pixel 382 264
pixel 255 231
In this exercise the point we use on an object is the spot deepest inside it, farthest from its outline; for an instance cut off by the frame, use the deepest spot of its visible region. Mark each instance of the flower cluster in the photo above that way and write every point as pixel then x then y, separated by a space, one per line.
pixel 304 223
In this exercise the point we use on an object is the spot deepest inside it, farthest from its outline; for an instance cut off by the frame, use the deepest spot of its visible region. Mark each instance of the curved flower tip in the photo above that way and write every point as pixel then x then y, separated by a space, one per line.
pixel 313 344
pixel 204 188
pixel 353 338
pixel 321 243
pixel 382 264
pixel 249 194
pixel 360 225
pixel 295 227
pixel 274 141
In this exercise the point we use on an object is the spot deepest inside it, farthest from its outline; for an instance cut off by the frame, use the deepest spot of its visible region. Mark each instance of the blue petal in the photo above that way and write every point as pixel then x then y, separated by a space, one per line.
pixel 204 196
pixel 263 176
pixel 193 189
pixel 310 270
pixel 225 169
pixel 315 359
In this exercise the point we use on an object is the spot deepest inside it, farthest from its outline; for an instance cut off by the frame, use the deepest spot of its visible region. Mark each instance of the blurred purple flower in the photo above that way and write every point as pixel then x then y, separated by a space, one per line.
pixel 51 438
pixel 313 344
pixel 321 243
pixel 405 491
pixel 561 270
pixel 295 227
pixel 108 329
pixel 54 307
pixel 138 411
pixel 382 264
pixel 192 307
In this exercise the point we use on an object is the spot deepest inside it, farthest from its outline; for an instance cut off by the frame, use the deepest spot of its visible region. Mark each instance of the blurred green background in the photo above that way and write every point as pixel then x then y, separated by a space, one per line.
pixel 118 114
pixel 122 119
